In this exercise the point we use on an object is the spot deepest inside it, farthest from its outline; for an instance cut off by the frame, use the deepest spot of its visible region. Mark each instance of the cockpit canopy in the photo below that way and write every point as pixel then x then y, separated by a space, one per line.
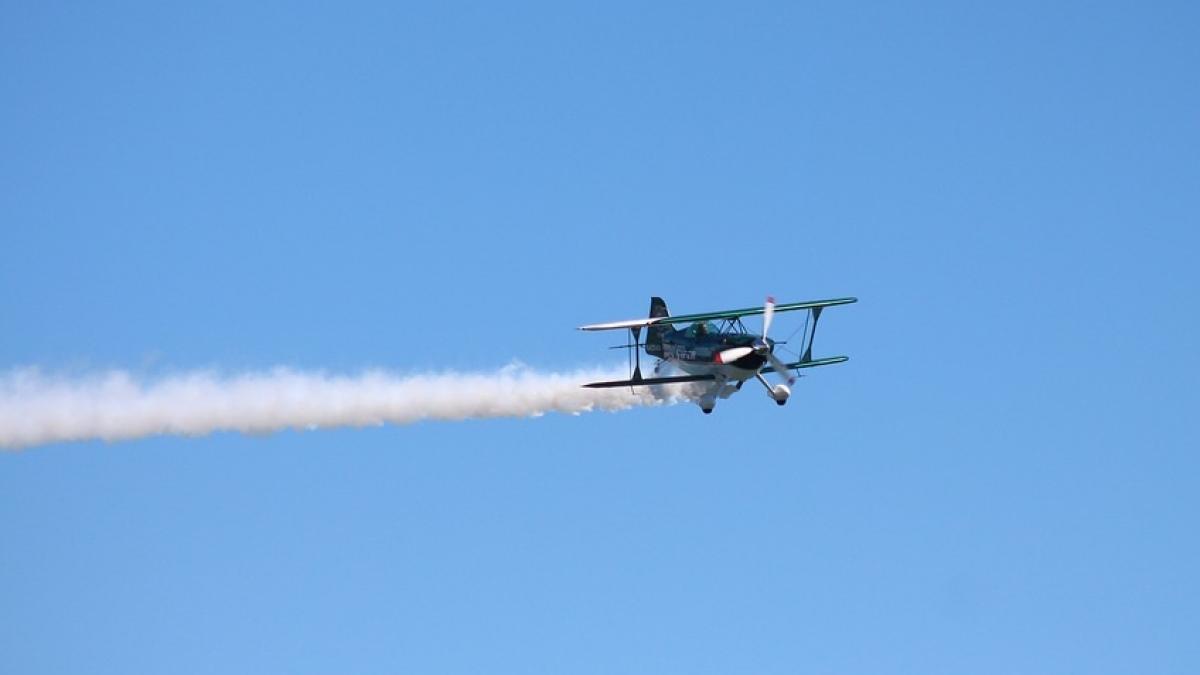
pixel 702 328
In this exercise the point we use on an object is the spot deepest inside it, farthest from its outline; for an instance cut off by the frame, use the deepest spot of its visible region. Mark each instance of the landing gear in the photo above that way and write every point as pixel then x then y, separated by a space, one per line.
pixel 779 392
pixel 707 411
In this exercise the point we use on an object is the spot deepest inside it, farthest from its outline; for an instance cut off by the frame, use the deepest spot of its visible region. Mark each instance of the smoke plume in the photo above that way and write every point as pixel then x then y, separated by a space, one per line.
pixel 36 408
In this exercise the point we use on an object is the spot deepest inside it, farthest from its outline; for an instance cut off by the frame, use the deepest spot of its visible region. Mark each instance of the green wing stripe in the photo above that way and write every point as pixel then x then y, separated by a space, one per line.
pixel 811 364
pixel 750 311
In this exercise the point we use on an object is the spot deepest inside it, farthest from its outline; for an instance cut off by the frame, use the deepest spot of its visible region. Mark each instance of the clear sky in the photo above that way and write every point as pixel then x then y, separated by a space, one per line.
pixel 1003 479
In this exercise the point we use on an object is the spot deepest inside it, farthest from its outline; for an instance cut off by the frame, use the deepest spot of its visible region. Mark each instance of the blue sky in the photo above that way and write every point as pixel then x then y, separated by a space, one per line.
pixel 1003 478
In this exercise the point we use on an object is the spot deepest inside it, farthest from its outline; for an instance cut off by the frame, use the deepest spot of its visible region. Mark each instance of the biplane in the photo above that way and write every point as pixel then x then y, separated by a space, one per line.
pixel 716 347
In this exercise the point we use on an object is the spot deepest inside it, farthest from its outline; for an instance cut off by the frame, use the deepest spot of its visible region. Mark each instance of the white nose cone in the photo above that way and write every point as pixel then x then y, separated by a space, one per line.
pixel 731 355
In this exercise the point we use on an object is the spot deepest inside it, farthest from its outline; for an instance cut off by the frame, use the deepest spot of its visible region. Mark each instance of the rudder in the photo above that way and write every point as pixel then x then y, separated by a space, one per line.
pixel 654 334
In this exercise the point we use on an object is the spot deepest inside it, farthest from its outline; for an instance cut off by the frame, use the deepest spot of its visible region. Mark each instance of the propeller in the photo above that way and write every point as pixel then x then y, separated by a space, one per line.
pixel 781 368
pixel 764 347
pixel 768 315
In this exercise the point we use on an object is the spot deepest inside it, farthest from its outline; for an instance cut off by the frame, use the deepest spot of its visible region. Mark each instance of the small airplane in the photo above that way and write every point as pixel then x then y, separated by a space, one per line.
pixel 717 348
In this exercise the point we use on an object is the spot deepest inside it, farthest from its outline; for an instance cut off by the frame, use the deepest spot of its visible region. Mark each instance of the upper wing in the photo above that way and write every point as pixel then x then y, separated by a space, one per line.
pixel 632 323
pixel 710 316
pixel 750 311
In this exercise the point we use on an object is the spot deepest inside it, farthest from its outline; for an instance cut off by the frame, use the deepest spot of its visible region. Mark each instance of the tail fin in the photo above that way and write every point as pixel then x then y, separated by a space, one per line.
pixel 658 307
pixel 654 334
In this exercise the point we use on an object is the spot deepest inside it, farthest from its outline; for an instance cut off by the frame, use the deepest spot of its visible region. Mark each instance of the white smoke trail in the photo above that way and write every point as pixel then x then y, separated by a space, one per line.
pixel 36 409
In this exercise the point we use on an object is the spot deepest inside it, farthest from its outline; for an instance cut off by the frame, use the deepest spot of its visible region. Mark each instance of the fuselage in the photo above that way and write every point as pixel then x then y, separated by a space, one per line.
pixel 694 351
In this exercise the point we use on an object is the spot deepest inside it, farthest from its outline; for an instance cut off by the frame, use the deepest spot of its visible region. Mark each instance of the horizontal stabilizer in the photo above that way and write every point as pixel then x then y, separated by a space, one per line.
pixel 649 380
pixel 813 363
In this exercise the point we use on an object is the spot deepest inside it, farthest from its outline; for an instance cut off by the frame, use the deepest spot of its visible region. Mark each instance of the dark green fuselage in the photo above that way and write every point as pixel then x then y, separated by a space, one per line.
pixel 694 348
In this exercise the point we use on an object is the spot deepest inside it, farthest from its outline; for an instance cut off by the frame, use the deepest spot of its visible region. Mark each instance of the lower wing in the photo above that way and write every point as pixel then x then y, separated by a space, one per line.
pixel 649 380
pixel 811 363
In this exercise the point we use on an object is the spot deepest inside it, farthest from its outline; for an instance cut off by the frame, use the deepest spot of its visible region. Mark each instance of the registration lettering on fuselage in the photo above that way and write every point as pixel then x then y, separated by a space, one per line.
pixel 679 353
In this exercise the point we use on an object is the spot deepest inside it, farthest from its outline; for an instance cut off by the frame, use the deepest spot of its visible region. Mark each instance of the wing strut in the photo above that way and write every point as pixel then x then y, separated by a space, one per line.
pixel 816 315
pixel 637 356
pixel 634 358
pixel 637 353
